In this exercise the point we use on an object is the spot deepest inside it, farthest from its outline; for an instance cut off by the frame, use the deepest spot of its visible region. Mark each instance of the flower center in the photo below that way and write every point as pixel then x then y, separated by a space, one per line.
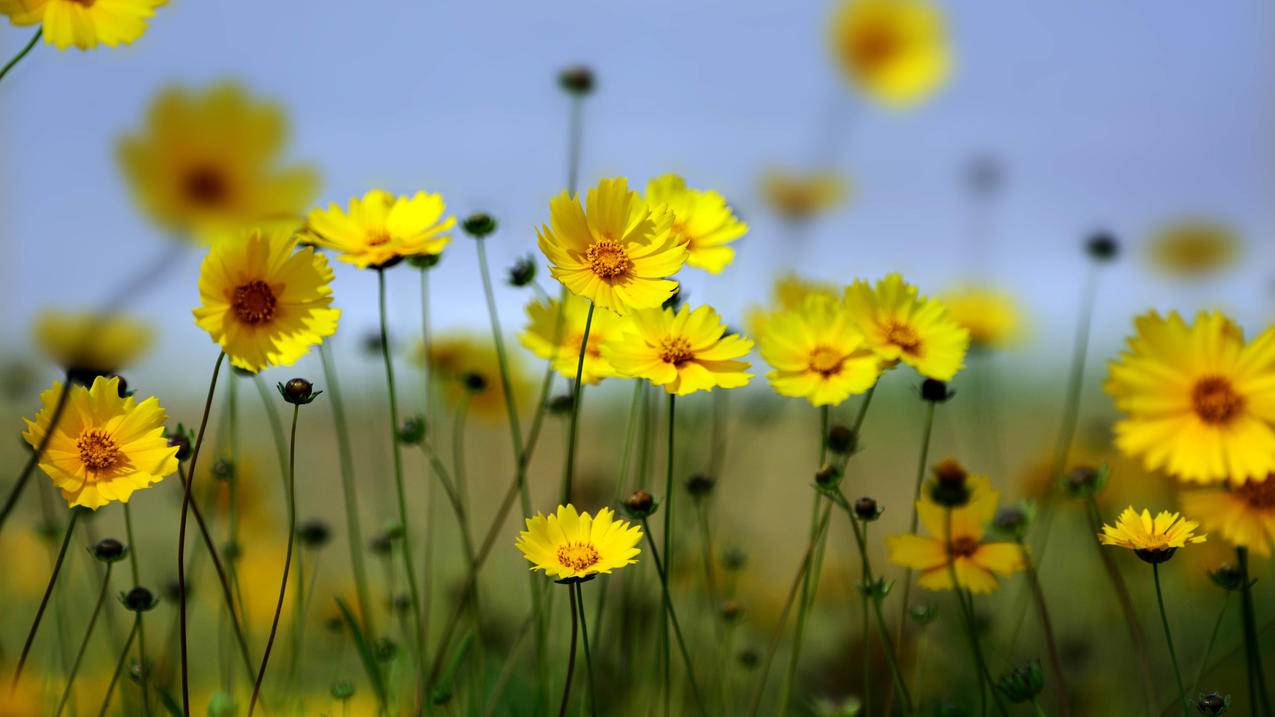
pixel 1258 494
pixel 203 185
pixel 379 237
pixel 675 350
pixel 98 451
pixel 254 303
pixel 1215 400
pixel 874 47
pixel 962 547
pixel 825 361
pixel 904 337
pixel 577 556
pixel 608 259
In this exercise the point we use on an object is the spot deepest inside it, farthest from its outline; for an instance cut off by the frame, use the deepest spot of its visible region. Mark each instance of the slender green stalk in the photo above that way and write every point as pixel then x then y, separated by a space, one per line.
pixel 1047 627
pixel 511 408
pixel 1168 638
pixel 84 644
pixel 141 627
pixel 578 596
pixel 568 471
pixel 48 592
pixel 19 485
pixel 864 586
pixel 661 567
pixel 667 571
pixel 26 49
pixel 1037 708
pixel 1208 649
pixel 918 674
pixel 927 432
pixel 971 630
pixel 571 661
pixel 1253 649
pixel 431 493
pixel 119 666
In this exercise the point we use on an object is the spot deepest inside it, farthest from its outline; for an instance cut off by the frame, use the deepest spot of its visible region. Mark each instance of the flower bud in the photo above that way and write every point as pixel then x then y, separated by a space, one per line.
pixel 867 510
pixel 828 476
pixel 1084 481
pixel 732 611
pixel 474 382
pixel 381 544
pixel 841 440
pixel 314 533
pixel 639 505
pixel 109 550
pixel 923 614
pixel 411 431
pixel 935 391
pixel 1022 684
pixel 561 404
pixel 385 649
pixel 1212 703
pixel 479 225
pixel 424 262
pixel 139 599
pixel 223 469
pixel 1155 557
pixel 182 439
pixel 949 487
pixel 1227 577
pixel 341 690
pixel 1102 247
pixel 749 658
pixel 523 272
pixel 700 485
pixel 298 391
pixel 734 559
pixel 1013 521
pixel 577 80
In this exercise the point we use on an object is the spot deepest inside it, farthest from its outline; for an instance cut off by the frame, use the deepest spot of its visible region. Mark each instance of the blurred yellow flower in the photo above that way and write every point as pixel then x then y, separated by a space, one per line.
pixel 87 343
pixel 991 317
pixel 798 197
pixel 1194 247
pixel 900 325
pixel 618 253
pixel 977 562
pixel 1244 514
pixel 83 23
pixel 468 369
pixel 895 51
pixel 1138 531
pixel 788 293
pixel 104 447
pixel 683 351
pixel 264 302
pixel 380 228
pixel 1199 401
pixel 816 352
pixel 569 545
pixel 700 217
pixel 207 163
pixel 560 344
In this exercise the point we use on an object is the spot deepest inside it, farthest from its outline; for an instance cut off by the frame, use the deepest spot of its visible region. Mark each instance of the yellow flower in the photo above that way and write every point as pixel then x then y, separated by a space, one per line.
pixel 895 51
pixel 1194 247
pixel 618 253
pixel 454 359
pixel 560 344
pixel 88 343
pixel 977 562
pixel 700 217
pixel 567 545
pixel 264 302
pixel 798 197
pixel 1244 515
pixel 207 163
pixel 991 317
pixel 817 353
pixel 380 229
pixel 788 293
pixel 684 351
pixel 83 23
pixel 1137 531
pixel 104 447
pixel 901 325
pixel 1199 401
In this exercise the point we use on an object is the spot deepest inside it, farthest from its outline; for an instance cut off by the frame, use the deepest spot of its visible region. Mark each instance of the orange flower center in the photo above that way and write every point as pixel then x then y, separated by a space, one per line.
pixel 825 361
pixel 204 185
pixel 874 47
pixel 1258 494
pixel 675 350
pixel 254 303
pixel 378 238
pixel 608 259
pixel 904 337
pixel 1215 400
pixel 98 451
pixel 962 547
pixel 577 556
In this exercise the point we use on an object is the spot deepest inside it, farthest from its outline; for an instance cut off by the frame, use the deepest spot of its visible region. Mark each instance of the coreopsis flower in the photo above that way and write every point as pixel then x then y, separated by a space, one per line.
pixel 1244 514
pixel 816 352
pixel 1199 401
pixel 1194 247
pixel 788 293
pixel 560 342
pixel 617 253
pixel 1154 540
pixel 576 546
pixel 380 229
pixel 894 51
pixel 104 447
pixel 208 163
pixel 683 351
pixel 977 560
pixel 84 24
pixel 798 197
pixel 991 317
pixel 901 325
pixel 700 217
pixel 87 344
pixel 265 302
pixel 468 369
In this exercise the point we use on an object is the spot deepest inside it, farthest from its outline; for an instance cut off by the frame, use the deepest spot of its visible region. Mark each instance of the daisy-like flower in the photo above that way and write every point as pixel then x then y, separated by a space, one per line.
pixel 1199 400
pixel 104 447
pixel 89 345
pixel 263 301
pixel 560 343
pixel 901 325
pixel 683 351
pixel 84 24
pixel 207 163
pixel 1244 514
pixel 788 293
pixel 977 561
pixel 702 218
pixel 468 369
pixel 617 253
pixel 1154 540
pixel 799 197
pixel 381 229
pixel 816 352
pixel 575 546
pixel 991 317
pixel 895 51
pixel 1194 247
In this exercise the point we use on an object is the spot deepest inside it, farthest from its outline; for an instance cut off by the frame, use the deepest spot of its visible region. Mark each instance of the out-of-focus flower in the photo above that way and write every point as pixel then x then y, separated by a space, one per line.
pixel 1244 514
pixel 1154 540
pixel 264 302
pixel 797 196
pixel 84 24
pixel 88 343
pixel 617 253
pixel 991 317
pixel 104 447
pixel 380 229
pixel 901 325
pixel 702 218
pixel 1199 400
pixel 788 293
pixel 817 352
pixel 684 352
pixel 894 51
pixel 207 163
pixel 561 344
pixel 457 361
pixel 570 546
pixel 1194 247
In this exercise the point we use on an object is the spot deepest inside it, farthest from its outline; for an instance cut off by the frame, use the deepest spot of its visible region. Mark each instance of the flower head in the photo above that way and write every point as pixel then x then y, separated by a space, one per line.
pixel 87 343
pixel 264 302
pixel 788 293
pixel 701 218
pixel 991 317
pixel 617 253
pixel 379 228
pixel 104 447
pixel 83 24
pixel 568 545
pixel 468 369
pixel 817 352
pixel 895 51
pixel 1244 514
pixel 1199 401
pixel 683 351
pixel 1153 539
pixel 900 325
pixel 560 343
pixel 798 197
pixel 1194 247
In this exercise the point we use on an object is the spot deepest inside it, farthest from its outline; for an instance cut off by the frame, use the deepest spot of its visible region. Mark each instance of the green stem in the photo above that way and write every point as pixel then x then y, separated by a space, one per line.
pixel 578 596
pixel 141 628
pixel 119 666
pixel 667 570
pixel 84 644
pixel 1047 627
pixel 1208 649
pixel 571 660
pixel 1168 638
pixel 48 592
pixel 971 629
pixel 661 567
pixel 573 433
pixel 26 49
pixel 19 485
pixel 927 432
pixel 867 638
pixel 1253 650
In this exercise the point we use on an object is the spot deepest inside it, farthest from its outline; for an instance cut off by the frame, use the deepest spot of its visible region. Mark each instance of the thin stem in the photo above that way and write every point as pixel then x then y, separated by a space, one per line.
pixel 575 136
pixel 20 484
pixel 1253 650
pixel 864 587
pixel 1168 638
pixel 1047 627
pixel 84 644
pixel 511 408
pixel 119 666
pixel 927 432
pixel 573 432
pixel 668 545
pixel 141 629
pixel 588 657
pixel 48 592
pixel 431 493
pixel 26 49
pixel 971 630
pixel 571 661
pixel 661 567
pixel 1208 649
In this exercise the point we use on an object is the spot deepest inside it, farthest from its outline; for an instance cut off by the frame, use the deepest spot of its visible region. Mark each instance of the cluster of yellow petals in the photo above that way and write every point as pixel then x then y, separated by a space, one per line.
pixel 991 317
pixel 83 24
pixel 701 218
pixel 91 342
pixel 1139 531
pixel 683 351
pixel 894 51
pixel 569 545
pixel 817 352
pixel 1244 514
pixel 555 330
pixel 379 228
